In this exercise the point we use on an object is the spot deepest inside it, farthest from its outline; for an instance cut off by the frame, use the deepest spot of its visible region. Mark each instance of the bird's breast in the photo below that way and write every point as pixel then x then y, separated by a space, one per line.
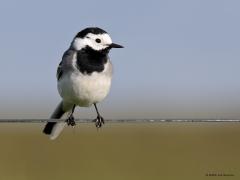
pixel 84 89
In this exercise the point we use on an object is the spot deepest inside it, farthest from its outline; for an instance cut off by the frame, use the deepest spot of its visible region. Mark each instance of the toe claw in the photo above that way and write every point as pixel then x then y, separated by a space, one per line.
pixel 99 121
pixel 70 121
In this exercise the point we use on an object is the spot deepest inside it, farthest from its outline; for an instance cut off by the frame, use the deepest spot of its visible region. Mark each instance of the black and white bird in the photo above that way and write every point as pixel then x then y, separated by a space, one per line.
pixel 84 77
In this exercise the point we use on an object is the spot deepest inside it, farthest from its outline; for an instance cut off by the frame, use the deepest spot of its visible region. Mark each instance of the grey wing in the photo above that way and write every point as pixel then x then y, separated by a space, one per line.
pixel 65 64
pixel 59 71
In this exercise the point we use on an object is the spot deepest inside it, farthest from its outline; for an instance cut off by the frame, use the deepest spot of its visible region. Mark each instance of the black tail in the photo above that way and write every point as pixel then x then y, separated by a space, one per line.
pixel 49 127
pixel 56 115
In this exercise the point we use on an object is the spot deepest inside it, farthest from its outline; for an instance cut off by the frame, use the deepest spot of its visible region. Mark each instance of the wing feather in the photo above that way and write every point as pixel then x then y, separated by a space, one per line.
pixel 66 63
pixel 59 71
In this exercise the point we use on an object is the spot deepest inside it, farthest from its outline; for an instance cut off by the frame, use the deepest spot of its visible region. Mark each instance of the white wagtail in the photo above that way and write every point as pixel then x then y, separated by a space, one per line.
pixel 84 77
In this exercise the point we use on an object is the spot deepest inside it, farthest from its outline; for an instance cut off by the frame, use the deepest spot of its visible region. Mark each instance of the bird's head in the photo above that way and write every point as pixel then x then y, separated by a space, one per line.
pixel 95 39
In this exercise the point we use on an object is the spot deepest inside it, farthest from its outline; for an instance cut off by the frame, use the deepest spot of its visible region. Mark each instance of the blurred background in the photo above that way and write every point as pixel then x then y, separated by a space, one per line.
pixel 171 151
pixel 181 58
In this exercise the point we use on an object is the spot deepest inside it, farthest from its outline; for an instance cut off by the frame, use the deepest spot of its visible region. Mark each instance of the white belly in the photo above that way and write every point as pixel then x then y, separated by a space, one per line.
pixel 84 90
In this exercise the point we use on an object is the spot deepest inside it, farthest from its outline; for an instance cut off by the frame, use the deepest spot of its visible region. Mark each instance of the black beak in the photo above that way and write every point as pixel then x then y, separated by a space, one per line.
pixel 113 45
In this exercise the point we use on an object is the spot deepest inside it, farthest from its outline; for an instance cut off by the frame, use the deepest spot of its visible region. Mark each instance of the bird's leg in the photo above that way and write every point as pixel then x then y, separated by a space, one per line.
pixel 99 121
pixel 70 119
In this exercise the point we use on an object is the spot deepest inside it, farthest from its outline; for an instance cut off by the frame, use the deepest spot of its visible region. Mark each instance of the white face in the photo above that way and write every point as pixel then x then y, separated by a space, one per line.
pixel 95 41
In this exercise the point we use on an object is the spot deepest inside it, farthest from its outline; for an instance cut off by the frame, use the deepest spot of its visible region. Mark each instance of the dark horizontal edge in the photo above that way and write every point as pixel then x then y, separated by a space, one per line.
pixel 118 120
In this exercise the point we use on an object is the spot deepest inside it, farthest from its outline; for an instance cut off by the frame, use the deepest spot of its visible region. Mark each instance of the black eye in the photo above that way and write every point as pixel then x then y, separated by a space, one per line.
pixel 98 40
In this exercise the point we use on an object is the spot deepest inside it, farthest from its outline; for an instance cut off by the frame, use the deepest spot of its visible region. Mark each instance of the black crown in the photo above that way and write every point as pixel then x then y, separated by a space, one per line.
pixel 93 30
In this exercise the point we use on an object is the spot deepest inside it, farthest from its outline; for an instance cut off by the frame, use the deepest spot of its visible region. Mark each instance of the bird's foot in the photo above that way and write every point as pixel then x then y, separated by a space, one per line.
pixel 70 121
pixel 99 121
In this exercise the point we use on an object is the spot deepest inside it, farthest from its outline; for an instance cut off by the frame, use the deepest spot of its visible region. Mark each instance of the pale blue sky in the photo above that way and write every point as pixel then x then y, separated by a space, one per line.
pixel 181 58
